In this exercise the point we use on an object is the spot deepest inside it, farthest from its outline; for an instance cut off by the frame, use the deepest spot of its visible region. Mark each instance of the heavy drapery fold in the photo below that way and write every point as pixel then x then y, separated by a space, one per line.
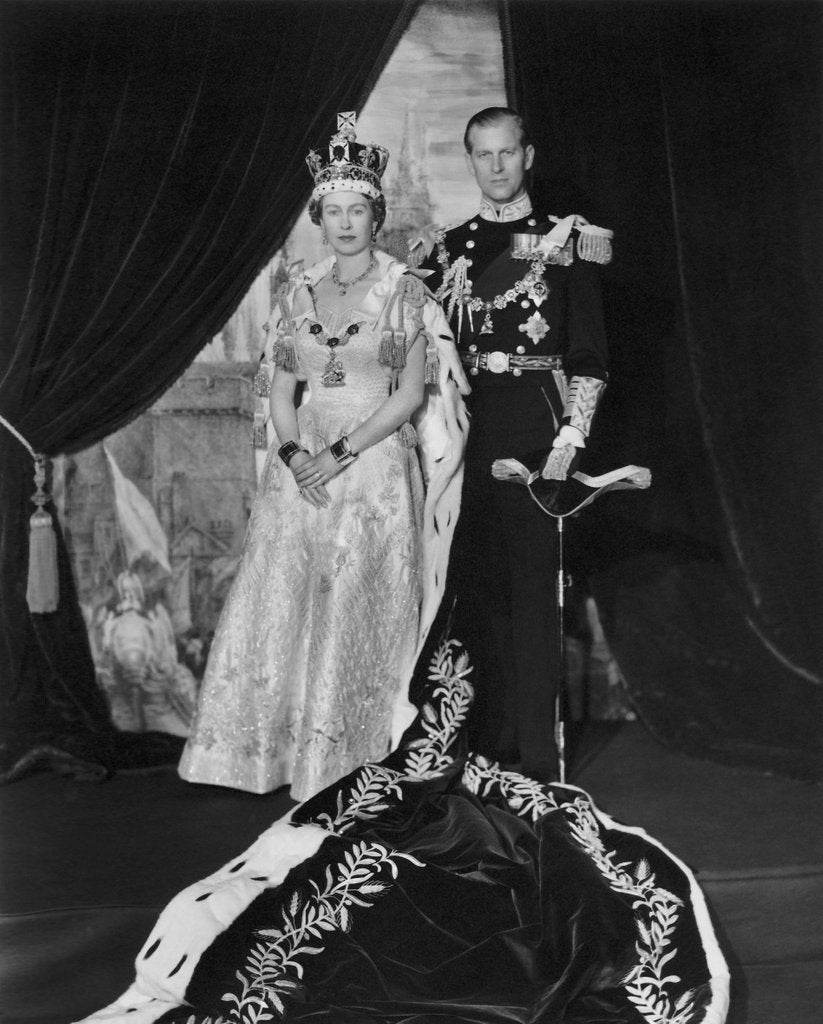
pixel 152 163
pixel 697 128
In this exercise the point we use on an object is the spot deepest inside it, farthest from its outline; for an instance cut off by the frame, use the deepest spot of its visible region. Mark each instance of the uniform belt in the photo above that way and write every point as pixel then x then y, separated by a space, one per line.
pixel 505 362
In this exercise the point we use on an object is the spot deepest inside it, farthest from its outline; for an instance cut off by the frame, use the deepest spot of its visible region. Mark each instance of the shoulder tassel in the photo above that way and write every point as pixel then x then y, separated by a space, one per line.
pixel 262 381
pixel 432 361
pixel 392 351
pixel 258 431
pixel 407 435
pixel 283 353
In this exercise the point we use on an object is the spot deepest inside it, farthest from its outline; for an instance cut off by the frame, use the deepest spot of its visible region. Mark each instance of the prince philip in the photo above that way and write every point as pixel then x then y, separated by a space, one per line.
pixel 521 288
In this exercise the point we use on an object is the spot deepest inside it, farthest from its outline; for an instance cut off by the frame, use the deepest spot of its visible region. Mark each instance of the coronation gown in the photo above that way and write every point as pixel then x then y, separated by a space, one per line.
pixel 313 652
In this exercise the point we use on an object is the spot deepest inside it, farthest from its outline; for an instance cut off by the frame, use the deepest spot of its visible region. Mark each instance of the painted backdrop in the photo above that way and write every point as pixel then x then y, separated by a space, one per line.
pixel 155 516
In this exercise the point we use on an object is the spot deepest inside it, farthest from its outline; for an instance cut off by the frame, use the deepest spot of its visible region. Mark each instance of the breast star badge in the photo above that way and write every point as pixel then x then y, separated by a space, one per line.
pixel 537 290
pixel 536 327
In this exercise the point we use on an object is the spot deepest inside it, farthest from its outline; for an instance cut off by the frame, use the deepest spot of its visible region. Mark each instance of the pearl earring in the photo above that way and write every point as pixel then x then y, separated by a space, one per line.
pixel 323 238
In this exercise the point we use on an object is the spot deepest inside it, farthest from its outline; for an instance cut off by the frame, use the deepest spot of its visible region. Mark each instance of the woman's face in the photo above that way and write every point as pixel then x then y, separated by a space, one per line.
pixel 347 219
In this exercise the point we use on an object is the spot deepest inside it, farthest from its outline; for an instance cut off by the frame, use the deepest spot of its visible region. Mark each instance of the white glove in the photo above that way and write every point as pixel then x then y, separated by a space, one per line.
pixel 563 450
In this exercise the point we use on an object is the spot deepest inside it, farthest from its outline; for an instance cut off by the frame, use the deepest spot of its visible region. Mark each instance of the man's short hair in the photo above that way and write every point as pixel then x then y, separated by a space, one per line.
pixel 494 115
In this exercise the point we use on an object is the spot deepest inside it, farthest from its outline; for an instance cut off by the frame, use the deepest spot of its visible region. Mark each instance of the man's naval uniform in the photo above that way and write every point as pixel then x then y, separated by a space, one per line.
pixel 502 574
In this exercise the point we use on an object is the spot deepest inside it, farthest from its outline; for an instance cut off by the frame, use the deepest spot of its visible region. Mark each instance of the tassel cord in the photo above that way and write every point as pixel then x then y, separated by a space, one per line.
pixel 16 433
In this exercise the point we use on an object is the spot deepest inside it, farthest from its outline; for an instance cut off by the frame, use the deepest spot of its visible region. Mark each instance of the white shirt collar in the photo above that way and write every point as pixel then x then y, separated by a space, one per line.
pixel 514 210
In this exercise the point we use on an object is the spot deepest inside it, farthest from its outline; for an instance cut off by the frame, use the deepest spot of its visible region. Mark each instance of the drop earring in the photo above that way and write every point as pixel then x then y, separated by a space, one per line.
pixel 323 238
pixel 374 232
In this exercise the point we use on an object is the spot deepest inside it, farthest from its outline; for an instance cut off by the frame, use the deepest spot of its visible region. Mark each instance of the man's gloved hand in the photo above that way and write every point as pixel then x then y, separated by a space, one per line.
pixel 558 460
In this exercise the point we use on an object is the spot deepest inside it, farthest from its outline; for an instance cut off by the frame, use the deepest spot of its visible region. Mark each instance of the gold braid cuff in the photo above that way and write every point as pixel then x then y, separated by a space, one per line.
pixel 581 402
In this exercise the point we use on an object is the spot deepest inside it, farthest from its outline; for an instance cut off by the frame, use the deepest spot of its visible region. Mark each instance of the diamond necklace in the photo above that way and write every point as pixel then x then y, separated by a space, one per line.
pixel 344 286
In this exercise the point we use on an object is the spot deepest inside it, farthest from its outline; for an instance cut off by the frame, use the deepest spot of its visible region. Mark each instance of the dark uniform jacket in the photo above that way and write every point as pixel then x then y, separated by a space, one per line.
pixel 572 310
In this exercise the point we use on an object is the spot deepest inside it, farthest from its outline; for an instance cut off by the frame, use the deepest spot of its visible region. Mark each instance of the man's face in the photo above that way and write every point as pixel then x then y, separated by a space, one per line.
pixel 499 161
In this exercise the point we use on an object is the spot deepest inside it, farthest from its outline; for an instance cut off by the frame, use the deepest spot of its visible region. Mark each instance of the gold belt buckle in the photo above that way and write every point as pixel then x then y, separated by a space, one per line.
pixel 497 362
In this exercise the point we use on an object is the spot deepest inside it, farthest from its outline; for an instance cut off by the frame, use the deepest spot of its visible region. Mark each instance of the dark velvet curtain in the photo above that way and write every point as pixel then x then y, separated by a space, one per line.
pixel 696 127
pixel 152 161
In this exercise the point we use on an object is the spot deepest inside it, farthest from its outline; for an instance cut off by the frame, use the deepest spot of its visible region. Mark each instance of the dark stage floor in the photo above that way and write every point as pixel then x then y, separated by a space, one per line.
pixel 87 866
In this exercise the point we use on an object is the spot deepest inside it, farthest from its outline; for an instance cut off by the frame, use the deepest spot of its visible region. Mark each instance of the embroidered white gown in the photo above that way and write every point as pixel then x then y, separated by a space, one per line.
pixel 316 641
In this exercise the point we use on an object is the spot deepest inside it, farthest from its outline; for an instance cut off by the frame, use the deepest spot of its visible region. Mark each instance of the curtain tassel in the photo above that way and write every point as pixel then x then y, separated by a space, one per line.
pixel 42 591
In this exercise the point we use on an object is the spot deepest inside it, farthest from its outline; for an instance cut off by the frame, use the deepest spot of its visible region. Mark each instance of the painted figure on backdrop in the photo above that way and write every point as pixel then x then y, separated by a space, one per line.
pixel 348 538
pixel 146 685
pixel 521 289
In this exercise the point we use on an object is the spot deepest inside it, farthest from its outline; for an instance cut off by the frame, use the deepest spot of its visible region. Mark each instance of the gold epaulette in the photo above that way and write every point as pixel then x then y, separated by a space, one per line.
pixel 594 244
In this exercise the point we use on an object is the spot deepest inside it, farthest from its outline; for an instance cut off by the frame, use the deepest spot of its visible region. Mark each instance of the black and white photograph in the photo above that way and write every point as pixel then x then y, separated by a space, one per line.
pixel 411 489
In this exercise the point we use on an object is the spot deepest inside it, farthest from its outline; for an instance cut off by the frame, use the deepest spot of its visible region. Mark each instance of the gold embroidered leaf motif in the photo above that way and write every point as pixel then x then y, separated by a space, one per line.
pixel 685 1000
pixel 647 986
pixel 373 887
pixel 428 756
pixel 351 882
pixel 527 798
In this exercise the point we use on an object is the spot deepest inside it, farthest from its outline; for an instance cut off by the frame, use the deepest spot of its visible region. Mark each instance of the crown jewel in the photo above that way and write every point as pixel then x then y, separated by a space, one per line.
pixel 347 166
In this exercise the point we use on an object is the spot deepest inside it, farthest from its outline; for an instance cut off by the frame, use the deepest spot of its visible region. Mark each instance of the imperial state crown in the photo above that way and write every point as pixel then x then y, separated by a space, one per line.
pixel 347 165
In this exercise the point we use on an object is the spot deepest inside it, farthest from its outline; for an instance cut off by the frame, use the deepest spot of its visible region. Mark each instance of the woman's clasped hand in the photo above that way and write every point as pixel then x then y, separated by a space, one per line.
pixel 312 473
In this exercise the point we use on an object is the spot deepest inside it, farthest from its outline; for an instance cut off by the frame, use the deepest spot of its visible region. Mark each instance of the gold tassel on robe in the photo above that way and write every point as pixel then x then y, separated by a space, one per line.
pixel 385 352
pixel 258 431
pixel 432 361
pixel 262 381
pixel 407 435
pixel 283 353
